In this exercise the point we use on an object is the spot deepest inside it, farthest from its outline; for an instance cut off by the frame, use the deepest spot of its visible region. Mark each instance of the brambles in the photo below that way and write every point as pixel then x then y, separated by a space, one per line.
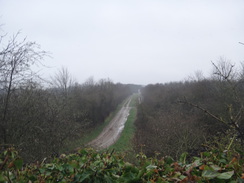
pixel 88 165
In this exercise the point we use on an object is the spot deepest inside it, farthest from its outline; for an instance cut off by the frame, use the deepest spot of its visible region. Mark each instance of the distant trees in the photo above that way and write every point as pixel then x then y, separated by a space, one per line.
pixel 40 121
pixel 228 99
pixel 182 116
pixel 163 125
pixel 230 86
pixel 63 81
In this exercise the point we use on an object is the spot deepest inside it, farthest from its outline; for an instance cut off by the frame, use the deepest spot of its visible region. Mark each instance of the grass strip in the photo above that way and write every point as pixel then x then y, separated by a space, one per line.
pixel 124 143
pixel 89 136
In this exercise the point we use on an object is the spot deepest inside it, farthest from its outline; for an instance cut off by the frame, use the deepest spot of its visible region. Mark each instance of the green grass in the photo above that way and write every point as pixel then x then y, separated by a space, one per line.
pixel 89 136
pixel 124 143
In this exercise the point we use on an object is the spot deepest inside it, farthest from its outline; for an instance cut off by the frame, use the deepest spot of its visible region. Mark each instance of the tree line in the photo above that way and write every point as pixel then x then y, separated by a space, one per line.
pixel 193 115
pixel 37 119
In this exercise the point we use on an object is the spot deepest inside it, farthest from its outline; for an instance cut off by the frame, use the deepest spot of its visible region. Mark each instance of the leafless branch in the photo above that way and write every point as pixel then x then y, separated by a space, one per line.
pixel 185 101
pixel 224 71
pixel 233 123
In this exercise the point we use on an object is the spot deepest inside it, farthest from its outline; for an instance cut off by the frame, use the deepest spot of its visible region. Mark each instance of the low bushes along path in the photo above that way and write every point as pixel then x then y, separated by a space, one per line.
pixel 112 131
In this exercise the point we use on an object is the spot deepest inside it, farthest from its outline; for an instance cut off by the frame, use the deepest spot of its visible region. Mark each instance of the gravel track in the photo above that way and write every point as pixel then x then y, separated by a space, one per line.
pixel 112 131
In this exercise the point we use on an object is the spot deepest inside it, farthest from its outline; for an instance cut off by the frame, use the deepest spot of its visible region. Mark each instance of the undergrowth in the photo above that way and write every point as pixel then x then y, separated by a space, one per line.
pixel 92 134
pixel 88 165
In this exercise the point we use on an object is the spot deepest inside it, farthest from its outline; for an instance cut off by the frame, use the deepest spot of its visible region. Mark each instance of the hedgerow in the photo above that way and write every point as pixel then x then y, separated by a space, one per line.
pixel 88 165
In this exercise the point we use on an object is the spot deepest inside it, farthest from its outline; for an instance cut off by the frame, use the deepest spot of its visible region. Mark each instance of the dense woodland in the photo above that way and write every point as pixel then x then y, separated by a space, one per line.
pixel 194 115
pixel 38 116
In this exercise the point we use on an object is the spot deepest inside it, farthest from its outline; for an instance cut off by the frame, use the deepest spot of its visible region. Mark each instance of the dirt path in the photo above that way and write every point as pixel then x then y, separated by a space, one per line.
pixel 111 133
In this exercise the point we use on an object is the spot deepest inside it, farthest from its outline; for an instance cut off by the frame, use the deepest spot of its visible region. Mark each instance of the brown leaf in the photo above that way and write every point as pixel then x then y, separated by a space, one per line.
pixel 202 167
pixel 11 164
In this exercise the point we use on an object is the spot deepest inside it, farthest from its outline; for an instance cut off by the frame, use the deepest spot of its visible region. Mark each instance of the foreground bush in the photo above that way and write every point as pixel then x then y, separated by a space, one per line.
pixel 88 165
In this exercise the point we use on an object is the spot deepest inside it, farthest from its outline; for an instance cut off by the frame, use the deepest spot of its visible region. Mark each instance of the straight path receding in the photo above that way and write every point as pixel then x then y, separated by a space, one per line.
pixel 112 131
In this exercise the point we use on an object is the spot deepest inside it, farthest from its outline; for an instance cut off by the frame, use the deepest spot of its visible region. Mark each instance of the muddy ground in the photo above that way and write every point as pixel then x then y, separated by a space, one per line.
pixel 112 131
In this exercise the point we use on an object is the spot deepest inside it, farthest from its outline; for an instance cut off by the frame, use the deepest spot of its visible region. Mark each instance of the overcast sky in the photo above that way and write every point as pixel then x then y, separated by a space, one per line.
pixel 130 41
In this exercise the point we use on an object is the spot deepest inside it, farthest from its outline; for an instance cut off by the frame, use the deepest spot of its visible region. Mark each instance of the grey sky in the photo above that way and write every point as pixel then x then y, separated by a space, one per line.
pixel 130 41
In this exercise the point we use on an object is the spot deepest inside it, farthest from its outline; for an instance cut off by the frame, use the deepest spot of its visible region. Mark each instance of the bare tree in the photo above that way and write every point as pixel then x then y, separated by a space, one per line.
pixel 197 76
pixel 63 80
pixel 16 59
pixel 224 70
pixel 227 80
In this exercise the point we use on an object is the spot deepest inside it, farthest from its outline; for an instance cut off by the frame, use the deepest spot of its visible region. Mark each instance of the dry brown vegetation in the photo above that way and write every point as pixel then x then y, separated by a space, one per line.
pixel 38 120
pixel 182 116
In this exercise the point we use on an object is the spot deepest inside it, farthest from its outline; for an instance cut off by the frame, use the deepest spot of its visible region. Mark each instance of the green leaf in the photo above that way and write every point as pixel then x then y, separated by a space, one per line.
pixel 83 152
pixel 183 157
pixel 225 175
pixel 197 162
pixel 151 167
pixel 18 163
pixel 32 178
pixel 84 176
pixel 181 177
pixel 209 174
pixel 206 154
pixel 50 166
pixel 168 160
pixel 215 167
pixel 2 178
pixel 223 161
